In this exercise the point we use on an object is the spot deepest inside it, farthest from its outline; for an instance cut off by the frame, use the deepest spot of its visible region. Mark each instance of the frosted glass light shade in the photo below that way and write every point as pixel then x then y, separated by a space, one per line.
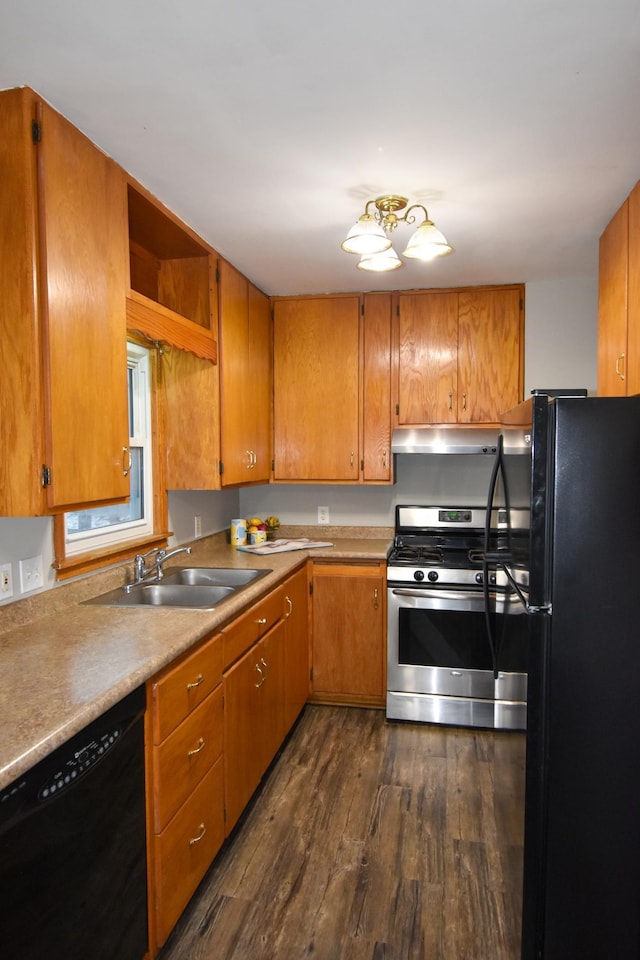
pixel 426 243
pixel 366 237
pixel 380 262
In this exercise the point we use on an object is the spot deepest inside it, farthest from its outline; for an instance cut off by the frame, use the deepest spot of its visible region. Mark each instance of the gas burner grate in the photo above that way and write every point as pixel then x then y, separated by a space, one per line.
pixel 418 554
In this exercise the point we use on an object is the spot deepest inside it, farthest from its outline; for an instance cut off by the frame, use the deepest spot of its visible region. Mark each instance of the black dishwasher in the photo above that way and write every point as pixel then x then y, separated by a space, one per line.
pixel 72 847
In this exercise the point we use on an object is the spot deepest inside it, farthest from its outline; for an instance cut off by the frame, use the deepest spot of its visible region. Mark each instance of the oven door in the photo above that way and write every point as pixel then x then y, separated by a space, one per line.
pixel 440 663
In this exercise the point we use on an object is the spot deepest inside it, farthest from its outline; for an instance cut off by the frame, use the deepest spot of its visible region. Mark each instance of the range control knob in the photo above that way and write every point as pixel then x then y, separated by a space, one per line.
pixel 479 578
pixel 493 579
pixel 418 575
pixel 432 575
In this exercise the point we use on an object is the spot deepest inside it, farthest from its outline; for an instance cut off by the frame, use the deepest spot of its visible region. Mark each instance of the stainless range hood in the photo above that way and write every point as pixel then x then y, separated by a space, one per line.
pixel 444 439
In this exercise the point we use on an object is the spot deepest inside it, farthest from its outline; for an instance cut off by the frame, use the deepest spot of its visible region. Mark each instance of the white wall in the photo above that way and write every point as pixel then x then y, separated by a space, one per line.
pixel 561 333
pixel 560 351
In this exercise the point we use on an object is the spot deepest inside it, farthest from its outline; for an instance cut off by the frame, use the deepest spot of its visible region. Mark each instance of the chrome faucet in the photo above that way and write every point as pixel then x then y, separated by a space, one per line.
pixel 155 572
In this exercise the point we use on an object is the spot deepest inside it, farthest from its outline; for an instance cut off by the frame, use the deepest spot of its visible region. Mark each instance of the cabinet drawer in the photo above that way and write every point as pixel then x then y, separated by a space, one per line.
pixel 179 690
pixel 181 761
pixel 186 848
pixel 249 627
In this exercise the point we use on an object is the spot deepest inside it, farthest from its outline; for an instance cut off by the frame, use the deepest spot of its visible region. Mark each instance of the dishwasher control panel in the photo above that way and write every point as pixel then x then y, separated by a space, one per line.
pixel 78 762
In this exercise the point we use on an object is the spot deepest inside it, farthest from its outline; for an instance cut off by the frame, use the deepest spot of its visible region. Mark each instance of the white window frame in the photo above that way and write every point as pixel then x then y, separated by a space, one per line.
pixel 139 370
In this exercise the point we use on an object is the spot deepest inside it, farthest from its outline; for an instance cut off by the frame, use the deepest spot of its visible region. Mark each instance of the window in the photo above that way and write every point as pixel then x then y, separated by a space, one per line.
pixel 100 527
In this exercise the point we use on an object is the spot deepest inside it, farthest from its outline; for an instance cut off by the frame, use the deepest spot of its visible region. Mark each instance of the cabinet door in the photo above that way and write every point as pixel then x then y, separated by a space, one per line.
pixel 348 633
pixel 260 383
pixel 296 613
pixel 633 295
pixel 271 732
pixel 428 357
pixel 242 718
pixel 316 389
pixel 21 392
pixel 612 306
pixel 191 420
pixel 83 283
pixel 376 451
pixel 253 719
pixel 489 354
pixel 245 379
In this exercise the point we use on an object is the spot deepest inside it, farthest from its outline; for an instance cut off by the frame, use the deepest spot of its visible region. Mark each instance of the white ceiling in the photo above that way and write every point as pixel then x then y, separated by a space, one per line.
pixel 267 125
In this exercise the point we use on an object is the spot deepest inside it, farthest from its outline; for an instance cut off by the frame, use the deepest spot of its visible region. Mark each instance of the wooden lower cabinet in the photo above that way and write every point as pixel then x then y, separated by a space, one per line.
pixel 254 726
pixel 185 849
pixel 348 633
pixel 296 616
pixel 185 782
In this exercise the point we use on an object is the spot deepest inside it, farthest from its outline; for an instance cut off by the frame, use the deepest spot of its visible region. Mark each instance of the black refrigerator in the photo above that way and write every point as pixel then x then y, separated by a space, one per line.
pixel 567 494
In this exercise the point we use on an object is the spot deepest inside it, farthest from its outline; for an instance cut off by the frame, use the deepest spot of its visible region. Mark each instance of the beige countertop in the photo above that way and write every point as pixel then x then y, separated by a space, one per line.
pixel 64 662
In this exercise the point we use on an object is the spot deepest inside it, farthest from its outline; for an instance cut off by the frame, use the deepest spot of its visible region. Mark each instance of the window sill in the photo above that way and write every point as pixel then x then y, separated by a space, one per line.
pixel 99 559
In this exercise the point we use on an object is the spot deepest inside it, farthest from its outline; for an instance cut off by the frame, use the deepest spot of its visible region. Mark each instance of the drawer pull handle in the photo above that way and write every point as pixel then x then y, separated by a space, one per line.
pixel 619 371
pixel 195 683
pixel 201 834
pixel 266 667
pixel 197 749
pixel 261 621
pixel 261 675
pixel 289 602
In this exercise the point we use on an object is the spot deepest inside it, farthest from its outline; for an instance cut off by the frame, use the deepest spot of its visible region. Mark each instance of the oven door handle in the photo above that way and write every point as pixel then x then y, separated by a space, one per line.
pixel 427 594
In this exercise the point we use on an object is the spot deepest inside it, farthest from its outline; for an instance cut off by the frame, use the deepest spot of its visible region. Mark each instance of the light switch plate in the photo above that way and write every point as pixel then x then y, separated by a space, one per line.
pixel 30 571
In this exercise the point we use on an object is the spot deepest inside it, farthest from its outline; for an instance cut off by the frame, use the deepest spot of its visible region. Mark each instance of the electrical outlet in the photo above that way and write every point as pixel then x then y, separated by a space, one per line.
pixel 6 581
pixel 30 571
pixel 323 514
pixel 197 526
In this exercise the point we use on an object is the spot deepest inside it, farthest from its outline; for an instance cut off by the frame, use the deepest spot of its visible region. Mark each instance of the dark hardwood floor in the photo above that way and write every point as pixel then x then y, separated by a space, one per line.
pixel 370 841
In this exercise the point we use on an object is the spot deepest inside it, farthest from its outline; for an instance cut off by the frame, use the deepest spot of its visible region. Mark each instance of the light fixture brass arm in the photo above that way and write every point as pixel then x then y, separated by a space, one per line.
pixel 415 206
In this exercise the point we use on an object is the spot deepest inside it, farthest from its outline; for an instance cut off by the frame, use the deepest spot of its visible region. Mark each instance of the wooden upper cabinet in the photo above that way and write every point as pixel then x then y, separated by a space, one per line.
pixel 376 373
pixel 428 358
pixel 490 374
pixel 63 339
pixel 619 302
pixel 459 355
pixel 172 294
pixel 245 380
pixel 191 420
pixel 317 389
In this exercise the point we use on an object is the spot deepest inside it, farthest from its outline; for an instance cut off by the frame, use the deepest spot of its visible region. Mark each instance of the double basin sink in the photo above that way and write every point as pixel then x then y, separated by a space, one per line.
pixel 200 588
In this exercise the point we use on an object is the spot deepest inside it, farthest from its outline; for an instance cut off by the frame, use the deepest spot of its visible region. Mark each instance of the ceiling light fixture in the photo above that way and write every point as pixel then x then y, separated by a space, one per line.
pixel 368 236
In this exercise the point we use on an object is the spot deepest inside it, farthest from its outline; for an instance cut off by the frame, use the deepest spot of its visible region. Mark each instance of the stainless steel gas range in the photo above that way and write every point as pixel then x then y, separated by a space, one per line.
pixel 456 635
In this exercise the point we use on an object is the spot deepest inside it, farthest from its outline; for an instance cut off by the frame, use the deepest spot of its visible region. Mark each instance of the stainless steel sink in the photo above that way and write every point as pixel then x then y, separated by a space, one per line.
pixel 200 588
pixel 218 576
